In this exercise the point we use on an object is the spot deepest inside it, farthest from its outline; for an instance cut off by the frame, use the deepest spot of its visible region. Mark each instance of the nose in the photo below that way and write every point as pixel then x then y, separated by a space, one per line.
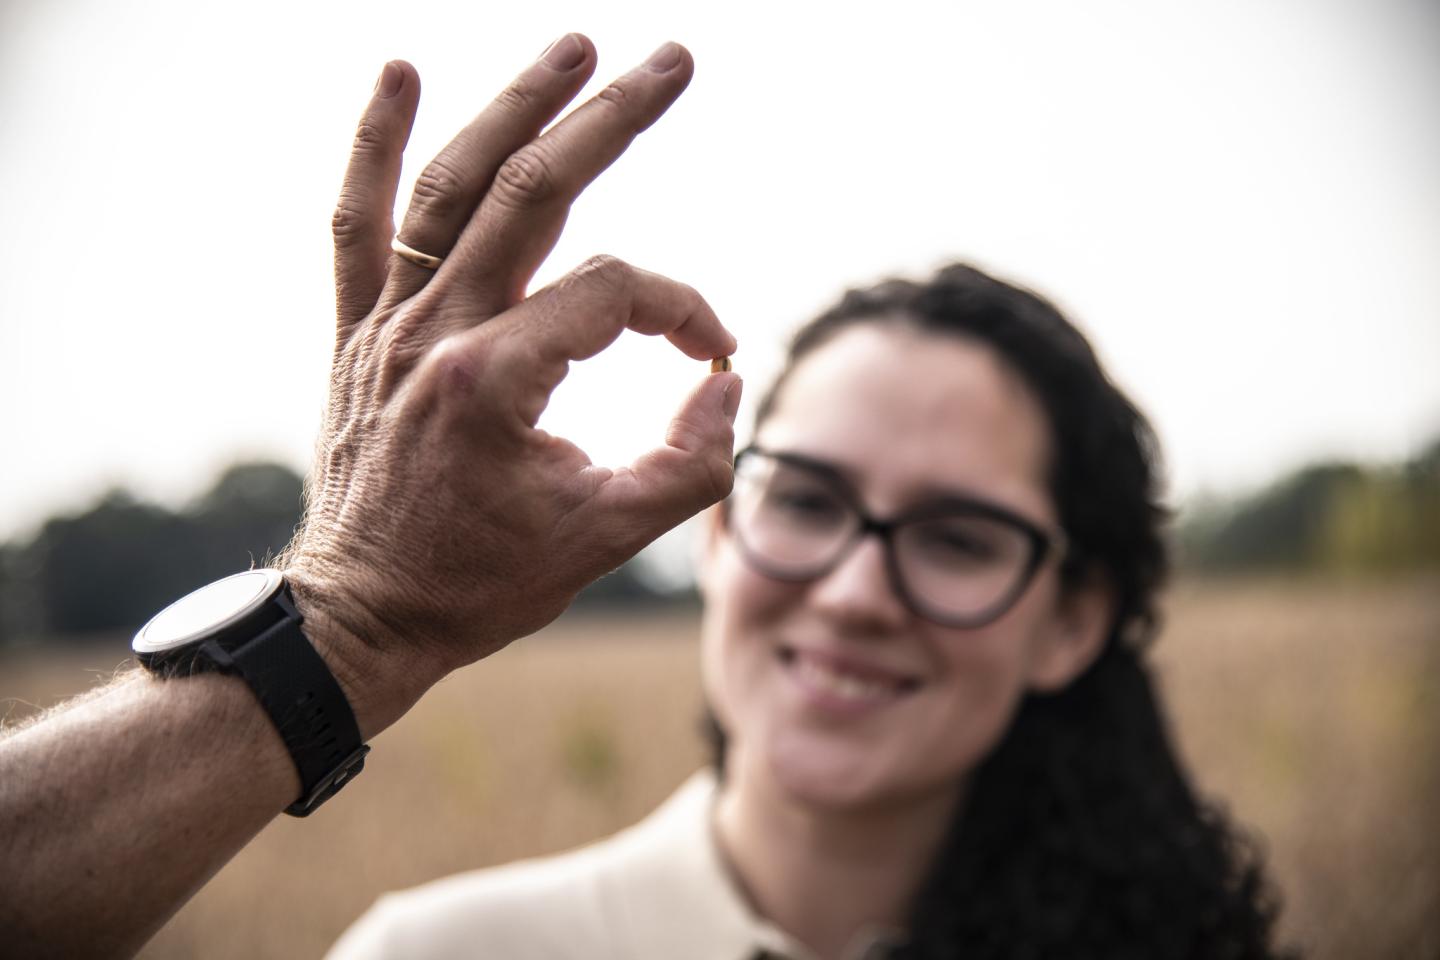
pixel 857 595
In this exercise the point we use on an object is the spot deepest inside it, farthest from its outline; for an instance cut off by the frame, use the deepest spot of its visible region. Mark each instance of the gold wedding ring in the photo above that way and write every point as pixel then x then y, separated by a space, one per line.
pixel 407 252
pixel 720 365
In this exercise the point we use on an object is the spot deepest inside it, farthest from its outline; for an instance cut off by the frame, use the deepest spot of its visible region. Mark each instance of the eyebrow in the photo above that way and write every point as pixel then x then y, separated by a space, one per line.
pixel 930 497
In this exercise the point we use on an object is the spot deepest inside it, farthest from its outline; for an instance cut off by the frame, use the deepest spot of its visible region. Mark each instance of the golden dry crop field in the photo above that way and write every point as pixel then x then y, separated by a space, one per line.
pixel 1311 707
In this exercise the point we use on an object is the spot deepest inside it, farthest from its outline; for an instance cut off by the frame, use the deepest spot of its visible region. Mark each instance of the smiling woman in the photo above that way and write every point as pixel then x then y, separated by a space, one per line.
pixel 926 606
pixel 887 674
pixel 960 696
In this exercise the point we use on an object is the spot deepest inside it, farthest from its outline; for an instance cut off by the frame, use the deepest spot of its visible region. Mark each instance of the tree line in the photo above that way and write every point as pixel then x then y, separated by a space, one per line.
pixel 1339 518
pixel 104 571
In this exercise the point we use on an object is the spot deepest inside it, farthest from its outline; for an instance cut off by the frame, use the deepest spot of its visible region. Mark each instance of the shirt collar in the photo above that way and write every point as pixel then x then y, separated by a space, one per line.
pixel 679 898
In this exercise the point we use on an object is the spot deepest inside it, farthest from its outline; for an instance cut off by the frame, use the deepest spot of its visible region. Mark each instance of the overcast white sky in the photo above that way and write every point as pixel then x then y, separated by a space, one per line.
pixel 1239 201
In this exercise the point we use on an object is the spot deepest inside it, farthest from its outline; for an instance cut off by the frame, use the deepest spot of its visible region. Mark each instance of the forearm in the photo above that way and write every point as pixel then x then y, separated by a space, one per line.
pixel 115 811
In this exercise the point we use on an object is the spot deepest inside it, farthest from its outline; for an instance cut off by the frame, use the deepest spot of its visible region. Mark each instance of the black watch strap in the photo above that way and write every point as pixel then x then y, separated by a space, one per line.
pixel 306 705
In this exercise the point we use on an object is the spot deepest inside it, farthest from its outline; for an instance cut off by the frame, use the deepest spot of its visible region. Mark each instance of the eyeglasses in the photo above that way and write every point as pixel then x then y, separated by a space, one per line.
pixel 956 561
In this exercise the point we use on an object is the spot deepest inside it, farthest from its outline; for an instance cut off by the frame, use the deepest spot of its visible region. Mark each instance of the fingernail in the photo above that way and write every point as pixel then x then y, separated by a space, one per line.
pixel 664 59
pixel 390 80
pixel 564 54
pixel 730 403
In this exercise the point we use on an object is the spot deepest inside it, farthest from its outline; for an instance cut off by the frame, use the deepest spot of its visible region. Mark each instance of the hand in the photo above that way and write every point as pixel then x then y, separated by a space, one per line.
pixel 441 524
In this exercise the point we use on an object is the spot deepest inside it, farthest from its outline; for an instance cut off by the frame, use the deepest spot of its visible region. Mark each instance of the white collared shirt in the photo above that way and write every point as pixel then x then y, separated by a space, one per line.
pixel 656 891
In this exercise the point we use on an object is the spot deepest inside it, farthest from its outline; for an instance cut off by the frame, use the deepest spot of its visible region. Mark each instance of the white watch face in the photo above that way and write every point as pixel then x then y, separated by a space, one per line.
pixel 212 607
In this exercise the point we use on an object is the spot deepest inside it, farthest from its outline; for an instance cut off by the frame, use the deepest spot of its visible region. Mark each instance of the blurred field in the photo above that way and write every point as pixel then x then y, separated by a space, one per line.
pixel 1312 708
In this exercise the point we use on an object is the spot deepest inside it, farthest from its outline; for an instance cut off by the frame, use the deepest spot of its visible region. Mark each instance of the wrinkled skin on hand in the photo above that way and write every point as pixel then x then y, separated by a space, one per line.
pixel 441 523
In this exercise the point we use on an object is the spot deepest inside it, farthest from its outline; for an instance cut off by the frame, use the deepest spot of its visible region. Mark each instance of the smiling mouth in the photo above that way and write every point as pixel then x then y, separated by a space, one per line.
pixel 845 681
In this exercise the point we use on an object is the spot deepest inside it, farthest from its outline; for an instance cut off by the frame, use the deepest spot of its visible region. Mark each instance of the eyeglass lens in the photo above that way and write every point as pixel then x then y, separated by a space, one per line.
pixel 795 523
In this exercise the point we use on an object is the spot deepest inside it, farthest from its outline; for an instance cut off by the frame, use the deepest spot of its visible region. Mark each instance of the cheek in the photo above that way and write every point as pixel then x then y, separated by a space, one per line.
pixel 741 608
pixel 1036 628
pixel 986 686
pixel 988 672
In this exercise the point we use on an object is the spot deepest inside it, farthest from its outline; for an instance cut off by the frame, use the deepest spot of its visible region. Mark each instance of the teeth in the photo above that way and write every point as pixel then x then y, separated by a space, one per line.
pixel 841 684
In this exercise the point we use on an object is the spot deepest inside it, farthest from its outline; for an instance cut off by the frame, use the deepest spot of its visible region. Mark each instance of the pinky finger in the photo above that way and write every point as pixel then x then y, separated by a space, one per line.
pixel 363 221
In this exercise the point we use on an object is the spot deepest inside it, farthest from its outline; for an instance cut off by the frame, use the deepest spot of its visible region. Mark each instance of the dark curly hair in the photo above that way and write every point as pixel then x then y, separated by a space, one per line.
pixel 1081 835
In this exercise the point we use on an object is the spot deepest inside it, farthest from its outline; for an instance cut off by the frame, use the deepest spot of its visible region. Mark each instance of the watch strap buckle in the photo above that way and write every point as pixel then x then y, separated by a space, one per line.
pixel 330 784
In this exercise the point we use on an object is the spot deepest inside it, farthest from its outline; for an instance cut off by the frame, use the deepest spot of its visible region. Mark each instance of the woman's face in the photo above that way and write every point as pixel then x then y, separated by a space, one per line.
pixel 832 689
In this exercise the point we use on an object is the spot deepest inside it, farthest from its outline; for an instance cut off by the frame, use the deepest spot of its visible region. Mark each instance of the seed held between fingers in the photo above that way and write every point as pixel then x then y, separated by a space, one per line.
pixel 721 365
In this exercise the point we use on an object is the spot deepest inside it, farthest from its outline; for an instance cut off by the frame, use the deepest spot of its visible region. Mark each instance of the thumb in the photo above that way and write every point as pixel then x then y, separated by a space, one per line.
pixel 668 485
pixel 705 423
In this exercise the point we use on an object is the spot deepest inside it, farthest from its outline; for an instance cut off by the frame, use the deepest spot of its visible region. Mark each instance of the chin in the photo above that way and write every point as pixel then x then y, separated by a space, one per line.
pixel 831 777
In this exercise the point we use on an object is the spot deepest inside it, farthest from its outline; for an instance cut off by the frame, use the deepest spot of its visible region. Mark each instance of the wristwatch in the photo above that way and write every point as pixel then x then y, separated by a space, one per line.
pixel 247 624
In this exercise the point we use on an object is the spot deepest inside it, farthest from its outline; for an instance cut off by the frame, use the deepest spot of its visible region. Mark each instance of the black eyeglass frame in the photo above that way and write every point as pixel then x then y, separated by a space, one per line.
pixel 1041 544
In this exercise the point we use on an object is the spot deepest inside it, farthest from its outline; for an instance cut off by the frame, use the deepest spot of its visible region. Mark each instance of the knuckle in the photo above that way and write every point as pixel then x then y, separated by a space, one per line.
pixel 615 96
pixel 707 479
pixel 349 221
pixel 401 341
pixel 517 98
pixel 451 374
pixel 719 478
pixel 526 178
pixel 716 476
pixel 370 138
pixel 440 189
pixel 448 365
pixel 609 273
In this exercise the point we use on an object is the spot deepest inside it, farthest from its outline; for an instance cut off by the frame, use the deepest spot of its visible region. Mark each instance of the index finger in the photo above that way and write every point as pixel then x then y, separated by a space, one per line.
pixel 519 219
pixel 581 314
